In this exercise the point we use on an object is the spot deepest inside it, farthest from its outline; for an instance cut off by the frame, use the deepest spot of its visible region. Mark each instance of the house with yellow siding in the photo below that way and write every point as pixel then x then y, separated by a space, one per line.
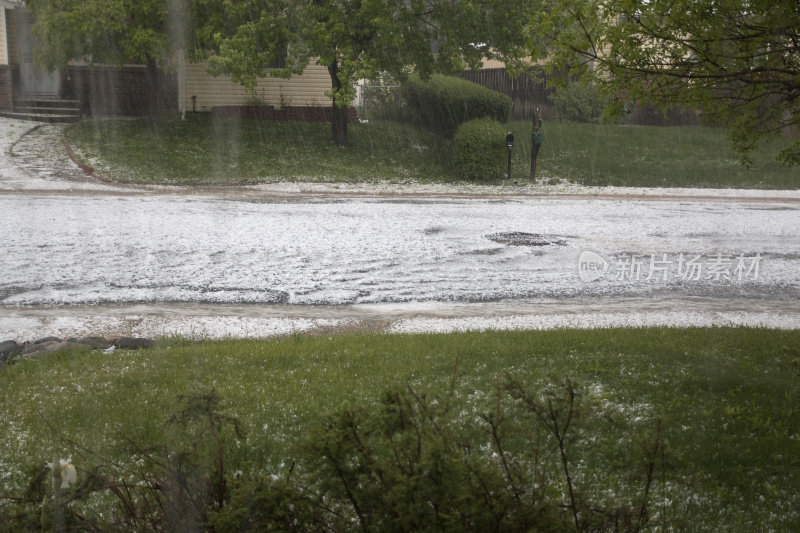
pixel 202 92
pixel 122 90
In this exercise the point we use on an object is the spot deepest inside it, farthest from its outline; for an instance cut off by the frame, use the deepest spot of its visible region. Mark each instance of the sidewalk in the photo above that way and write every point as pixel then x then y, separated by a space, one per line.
pixel 221 321
pixel 33 157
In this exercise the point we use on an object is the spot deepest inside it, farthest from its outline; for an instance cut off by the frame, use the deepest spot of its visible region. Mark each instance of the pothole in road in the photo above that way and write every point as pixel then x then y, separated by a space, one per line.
pixel 519 238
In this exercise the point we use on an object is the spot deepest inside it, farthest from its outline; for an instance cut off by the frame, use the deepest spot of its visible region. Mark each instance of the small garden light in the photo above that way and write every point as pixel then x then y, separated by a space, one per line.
pixel 509 145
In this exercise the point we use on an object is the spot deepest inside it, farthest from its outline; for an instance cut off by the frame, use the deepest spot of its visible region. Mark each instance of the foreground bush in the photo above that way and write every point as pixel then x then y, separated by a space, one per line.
pixel 442 103
pixel 409 463
pixel 479 150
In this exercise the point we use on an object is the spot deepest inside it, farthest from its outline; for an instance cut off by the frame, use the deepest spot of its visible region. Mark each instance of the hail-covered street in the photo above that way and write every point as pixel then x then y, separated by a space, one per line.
pixel 79 257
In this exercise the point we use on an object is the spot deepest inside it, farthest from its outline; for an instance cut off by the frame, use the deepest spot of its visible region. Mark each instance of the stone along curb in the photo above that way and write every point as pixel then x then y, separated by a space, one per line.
pixel 12 351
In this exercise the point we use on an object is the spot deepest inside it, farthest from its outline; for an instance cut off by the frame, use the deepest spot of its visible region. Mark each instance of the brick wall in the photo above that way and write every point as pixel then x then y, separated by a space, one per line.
pixel 117 90
pixel 268 112
pixel 6 88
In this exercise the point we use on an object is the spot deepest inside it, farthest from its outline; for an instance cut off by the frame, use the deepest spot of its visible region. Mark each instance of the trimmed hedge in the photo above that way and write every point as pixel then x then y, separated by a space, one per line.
pixel 479 150
pixel 442 103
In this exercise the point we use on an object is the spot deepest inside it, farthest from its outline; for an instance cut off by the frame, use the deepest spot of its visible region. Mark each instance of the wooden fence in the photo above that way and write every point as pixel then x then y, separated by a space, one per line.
pixel 528 91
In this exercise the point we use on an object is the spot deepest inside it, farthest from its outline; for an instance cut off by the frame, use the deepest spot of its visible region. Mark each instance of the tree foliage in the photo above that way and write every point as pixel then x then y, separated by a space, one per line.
pixel 358 39
pixel 736 60
pixel 113 32
pixel 99 31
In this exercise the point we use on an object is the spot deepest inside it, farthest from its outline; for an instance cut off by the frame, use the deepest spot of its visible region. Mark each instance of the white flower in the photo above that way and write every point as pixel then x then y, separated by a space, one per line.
pixel 65 472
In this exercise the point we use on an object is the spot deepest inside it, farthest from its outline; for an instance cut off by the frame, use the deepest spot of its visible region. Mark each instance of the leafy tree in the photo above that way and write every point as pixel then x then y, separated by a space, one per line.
pixel 112 32
pixel 736 60
pixel 356 39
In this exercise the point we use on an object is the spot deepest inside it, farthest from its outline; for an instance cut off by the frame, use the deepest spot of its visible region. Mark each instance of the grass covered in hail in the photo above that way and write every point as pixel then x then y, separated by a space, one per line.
pixel 701 424
pixel 202 150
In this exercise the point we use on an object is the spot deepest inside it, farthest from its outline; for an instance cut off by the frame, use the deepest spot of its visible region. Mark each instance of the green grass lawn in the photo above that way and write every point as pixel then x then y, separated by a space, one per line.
pixel 727 398
pixel 652 156
pixel 201 151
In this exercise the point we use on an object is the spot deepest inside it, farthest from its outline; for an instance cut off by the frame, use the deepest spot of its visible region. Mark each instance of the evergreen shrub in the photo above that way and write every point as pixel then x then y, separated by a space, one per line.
pixel 479 149
pixel 442 103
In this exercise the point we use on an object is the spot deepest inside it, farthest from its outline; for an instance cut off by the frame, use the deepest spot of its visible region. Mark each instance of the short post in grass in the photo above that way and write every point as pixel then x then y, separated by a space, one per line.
pixel 509 145
pixel 536 141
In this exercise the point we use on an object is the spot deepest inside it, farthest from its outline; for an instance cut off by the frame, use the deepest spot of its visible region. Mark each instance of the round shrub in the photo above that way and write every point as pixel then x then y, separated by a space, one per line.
pixel 479 149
